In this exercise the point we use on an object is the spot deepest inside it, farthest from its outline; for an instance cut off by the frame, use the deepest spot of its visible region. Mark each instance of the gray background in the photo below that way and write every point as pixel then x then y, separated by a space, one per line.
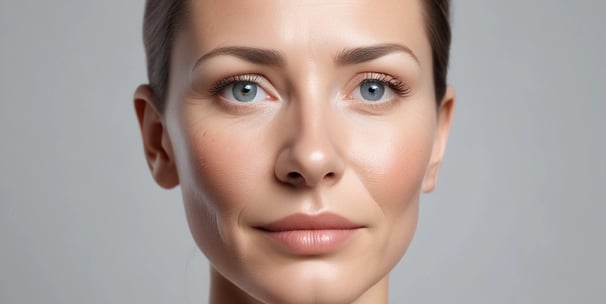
pixel 517 217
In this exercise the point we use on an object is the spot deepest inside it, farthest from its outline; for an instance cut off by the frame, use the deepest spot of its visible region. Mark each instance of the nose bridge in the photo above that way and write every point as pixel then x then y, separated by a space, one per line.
pixel 313 111
pixel 314 134
pixel 311 155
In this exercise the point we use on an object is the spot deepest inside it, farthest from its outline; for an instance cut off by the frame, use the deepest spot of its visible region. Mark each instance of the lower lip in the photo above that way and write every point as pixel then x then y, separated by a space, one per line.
pixel 311 242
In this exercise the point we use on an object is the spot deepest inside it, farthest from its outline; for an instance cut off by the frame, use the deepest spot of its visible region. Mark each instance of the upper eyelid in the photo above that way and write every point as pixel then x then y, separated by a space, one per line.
pixel 258 79
pixel 237 78
pixel 383 77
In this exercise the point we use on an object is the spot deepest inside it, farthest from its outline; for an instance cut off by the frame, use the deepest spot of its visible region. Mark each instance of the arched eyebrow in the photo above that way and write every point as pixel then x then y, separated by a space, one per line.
pixel 250 54
pixel 275 58
pixel 368 53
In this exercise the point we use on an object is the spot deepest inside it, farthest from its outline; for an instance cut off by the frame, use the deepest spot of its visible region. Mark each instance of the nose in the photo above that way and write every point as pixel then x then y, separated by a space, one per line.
pixel 310 156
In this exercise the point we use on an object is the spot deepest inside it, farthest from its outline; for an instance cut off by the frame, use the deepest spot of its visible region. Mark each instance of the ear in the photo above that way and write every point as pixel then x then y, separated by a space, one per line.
pixel 440 138
pixel 156 142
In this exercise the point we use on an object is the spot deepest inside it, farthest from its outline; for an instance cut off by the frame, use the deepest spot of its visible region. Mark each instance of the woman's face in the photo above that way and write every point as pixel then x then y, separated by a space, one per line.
pixel 301 133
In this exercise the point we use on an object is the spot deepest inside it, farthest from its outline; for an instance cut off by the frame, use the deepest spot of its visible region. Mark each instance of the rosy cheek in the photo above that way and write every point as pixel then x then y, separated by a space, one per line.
pixel 392 166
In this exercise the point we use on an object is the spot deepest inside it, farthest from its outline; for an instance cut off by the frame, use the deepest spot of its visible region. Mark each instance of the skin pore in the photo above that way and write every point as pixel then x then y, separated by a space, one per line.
pixel 278 108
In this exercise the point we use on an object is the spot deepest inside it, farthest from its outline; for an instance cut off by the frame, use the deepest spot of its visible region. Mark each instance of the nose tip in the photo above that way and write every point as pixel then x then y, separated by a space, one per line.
pixel 300 166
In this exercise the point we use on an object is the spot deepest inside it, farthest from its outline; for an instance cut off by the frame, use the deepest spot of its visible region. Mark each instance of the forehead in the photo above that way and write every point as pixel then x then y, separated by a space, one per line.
pixel 311 26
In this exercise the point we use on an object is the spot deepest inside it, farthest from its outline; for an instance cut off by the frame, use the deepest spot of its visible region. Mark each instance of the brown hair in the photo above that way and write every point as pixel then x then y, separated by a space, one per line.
pixel 162 19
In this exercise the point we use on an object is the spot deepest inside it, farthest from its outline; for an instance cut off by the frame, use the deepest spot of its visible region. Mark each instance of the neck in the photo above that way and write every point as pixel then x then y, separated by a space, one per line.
pixel 224 291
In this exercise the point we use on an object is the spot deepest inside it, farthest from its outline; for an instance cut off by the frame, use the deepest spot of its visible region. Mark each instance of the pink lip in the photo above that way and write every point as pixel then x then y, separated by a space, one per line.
pixel 311 234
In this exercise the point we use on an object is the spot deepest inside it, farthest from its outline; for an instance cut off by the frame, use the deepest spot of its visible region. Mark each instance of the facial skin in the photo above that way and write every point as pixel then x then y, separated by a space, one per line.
pixel 308 143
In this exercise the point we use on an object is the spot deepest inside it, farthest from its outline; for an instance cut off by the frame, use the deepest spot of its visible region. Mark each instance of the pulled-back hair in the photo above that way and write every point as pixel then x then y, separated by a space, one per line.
pixel 162 19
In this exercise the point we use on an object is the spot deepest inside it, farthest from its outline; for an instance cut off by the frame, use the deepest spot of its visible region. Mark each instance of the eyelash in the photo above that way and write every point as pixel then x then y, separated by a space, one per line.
pixel 218 87
pixel 399 87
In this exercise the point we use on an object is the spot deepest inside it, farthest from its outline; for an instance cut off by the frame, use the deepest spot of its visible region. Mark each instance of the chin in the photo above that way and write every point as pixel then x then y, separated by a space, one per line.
pixel 312 288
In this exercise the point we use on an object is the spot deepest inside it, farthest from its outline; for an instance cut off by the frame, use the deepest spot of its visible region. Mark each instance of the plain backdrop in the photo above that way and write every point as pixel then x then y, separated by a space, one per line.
pixel 518 216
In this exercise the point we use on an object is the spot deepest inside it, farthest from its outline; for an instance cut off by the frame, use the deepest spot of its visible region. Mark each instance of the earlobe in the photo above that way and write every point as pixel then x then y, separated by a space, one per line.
pixel 156 142
pixel 444 122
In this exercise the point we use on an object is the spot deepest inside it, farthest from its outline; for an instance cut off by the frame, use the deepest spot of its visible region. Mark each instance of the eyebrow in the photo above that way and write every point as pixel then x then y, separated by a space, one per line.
pixel 274 58
pixel 368 53
pixel 253 55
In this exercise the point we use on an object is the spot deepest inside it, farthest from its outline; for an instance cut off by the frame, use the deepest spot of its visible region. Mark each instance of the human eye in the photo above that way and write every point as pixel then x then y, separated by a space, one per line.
pixel 378 88
pixel 241 89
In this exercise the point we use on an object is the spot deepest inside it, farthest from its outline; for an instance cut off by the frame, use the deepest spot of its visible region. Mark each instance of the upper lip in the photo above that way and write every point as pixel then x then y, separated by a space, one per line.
pixel 301 221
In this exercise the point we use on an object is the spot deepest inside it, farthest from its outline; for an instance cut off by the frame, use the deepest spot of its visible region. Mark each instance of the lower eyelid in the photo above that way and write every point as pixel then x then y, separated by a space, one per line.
pixel 370 108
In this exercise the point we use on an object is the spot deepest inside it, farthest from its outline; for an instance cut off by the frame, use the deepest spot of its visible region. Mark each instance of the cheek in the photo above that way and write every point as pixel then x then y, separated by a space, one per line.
pixel 219 167
pixel 392 166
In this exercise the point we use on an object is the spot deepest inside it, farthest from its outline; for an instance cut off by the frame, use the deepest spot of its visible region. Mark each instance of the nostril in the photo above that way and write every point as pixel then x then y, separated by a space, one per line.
pixel 294 175
pixel 329 175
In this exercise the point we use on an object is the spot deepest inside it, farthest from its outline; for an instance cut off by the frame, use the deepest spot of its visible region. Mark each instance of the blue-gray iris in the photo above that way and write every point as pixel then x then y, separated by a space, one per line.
pixel 372 90
pixel 244 91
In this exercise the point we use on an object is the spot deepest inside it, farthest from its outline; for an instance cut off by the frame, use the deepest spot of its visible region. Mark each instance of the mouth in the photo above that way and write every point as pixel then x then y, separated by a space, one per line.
pixel 303 234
